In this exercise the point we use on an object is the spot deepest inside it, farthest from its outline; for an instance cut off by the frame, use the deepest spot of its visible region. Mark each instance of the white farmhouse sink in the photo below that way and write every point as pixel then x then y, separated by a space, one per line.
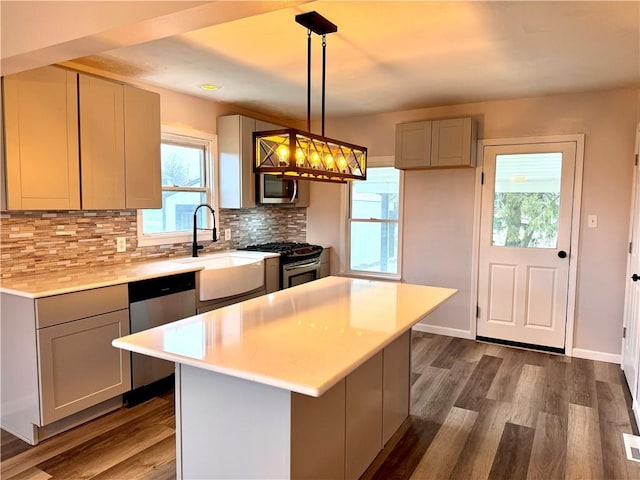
pixel 227 274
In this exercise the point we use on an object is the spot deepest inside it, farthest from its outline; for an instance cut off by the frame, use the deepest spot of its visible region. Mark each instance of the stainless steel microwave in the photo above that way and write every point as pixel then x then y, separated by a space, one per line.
pixel 277 190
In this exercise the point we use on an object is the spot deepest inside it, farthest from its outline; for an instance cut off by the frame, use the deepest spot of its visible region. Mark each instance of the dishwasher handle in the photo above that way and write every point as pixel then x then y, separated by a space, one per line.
pixel 161 286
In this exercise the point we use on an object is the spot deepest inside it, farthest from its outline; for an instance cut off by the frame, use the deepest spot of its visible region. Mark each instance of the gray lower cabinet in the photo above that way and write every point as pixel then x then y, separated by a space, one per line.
pixel 58 365
pixel 285 434
pixel 325 266
pixel 339 434
pixel 396 382
pixel 79 367
pixel 271 274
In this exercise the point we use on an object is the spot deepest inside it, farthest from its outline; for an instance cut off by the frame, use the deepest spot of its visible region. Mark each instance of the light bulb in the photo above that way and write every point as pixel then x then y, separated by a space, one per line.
pixel 342 163
pixel 315 160
pixel 299 157
pixel 283 153
pixel 328 160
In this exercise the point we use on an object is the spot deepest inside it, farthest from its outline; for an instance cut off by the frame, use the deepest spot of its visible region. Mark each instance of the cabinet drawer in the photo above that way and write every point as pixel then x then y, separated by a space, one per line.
pixel 79 367
pixel 87 303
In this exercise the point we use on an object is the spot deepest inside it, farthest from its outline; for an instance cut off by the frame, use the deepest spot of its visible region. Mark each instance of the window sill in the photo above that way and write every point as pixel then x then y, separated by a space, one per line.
pixel 372 276
pixel 171 238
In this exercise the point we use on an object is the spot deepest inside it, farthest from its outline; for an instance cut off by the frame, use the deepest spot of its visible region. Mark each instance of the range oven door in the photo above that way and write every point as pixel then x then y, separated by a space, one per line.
pixel 300 272
pixel 275 189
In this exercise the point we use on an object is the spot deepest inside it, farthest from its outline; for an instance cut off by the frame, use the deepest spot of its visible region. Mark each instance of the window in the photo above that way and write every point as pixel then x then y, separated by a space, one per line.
pixel 373 223
pixel 186 168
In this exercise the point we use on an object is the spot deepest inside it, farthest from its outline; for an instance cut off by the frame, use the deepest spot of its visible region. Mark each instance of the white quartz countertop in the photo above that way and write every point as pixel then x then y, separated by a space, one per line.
pixel 304 339
pixel 74 280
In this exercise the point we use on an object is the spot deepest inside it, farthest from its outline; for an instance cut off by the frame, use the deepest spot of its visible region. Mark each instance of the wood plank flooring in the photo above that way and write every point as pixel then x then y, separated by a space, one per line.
pixel 478 411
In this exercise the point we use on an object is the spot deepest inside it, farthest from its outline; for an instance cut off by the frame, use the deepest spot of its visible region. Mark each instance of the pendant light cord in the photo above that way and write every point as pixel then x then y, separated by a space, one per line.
pixel 324 67
pixel 308 80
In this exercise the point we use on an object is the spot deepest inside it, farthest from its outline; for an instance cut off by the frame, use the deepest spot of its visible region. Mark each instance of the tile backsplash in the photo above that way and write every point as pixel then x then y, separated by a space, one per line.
pixel 33 242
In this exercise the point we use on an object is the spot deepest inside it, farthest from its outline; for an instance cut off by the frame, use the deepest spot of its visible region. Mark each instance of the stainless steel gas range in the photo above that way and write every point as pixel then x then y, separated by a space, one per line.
pixel 299 262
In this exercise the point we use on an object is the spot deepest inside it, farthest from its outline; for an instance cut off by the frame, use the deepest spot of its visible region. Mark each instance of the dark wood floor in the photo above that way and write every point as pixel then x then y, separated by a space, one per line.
pixel 478 411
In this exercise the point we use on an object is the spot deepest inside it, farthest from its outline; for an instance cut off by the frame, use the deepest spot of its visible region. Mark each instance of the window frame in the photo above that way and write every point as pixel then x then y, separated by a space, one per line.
pixel 185 136
pixel 372 162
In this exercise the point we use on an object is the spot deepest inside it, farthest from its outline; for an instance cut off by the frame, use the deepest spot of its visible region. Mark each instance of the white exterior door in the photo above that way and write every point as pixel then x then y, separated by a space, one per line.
pixel 525 240
pixel 631 341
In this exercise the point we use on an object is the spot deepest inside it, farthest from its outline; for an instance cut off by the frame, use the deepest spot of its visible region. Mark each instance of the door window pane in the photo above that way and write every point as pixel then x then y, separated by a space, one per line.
pixel 374 246
pixel 527 200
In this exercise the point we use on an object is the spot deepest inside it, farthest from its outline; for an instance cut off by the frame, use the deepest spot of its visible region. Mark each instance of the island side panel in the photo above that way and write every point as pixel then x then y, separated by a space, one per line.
pixel 396 382
pixel 363 416
pixel 318 435
pixel 230 427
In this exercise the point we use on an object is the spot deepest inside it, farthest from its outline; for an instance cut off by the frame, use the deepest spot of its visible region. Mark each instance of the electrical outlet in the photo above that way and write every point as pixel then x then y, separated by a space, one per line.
pixel 227 234
pixel 121 244
pixel 592 221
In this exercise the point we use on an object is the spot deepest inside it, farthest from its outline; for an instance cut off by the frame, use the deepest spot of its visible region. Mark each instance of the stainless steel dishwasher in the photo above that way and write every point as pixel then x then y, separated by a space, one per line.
pixel 155 302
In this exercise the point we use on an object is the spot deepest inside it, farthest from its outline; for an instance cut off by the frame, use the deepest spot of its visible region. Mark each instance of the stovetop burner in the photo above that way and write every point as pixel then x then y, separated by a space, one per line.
pixel 289 251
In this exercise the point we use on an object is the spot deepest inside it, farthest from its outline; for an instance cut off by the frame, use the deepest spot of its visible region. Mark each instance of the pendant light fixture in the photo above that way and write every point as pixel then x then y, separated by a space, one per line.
pixel 294 153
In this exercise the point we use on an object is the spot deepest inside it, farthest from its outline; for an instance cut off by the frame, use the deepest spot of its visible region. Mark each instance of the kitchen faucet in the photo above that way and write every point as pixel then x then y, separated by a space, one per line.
pixel 195 246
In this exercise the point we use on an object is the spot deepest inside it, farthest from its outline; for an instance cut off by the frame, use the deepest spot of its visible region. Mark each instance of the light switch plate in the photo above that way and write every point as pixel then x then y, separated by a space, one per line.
pixel 227 234
pixel 592 221
pixel 121 244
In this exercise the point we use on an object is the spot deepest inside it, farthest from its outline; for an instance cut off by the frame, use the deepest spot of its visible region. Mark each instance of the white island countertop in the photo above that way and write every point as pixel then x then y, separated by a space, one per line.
pixel 304 339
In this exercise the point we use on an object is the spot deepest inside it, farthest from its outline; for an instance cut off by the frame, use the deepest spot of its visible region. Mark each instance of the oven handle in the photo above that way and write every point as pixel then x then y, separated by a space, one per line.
pixel 313 263
pixel 295 191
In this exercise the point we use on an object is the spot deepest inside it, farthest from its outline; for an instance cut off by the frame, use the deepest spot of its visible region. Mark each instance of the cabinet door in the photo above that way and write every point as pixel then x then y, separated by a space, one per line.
pixel 303 193
pixel 235 161
pixel 413 145
pixel 396 382
pixel 41 135
pixel 451 143
pixel 271 275
pixel 143 183
pixel 363 416
pixel 79 367
pixel 101 143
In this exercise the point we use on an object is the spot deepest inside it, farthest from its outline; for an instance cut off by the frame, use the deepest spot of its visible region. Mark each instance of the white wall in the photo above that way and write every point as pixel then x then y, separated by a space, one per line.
pixel 439 205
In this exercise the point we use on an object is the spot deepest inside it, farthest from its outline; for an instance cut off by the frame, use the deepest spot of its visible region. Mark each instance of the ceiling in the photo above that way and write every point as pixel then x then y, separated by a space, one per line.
pixel 390 56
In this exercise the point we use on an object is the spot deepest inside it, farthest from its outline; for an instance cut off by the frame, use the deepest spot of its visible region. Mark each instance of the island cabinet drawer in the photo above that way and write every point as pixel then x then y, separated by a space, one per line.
pixel 79 367
pixel 73 306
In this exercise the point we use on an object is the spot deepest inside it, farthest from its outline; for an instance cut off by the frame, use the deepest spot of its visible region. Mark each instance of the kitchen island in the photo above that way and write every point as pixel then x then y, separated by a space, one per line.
pixel 307 382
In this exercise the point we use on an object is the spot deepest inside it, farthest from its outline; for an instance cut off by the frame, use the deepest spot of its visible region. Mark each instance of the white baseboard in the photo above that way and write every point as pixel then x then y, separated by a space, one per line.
pixel 576 352
pixel 450 332
pixel 595 355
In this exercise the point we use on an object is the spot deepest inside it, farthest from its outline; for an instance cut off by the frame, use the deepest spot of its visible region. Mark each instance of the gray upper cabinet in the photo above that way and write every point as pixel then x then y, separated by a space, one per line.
pixel 453 142
pixel 413 145
pixel 426 144
pixel 120 145
pixel 101 143
pixel 42 169
pixel 143 182
pixel 235 150
pixel 67 133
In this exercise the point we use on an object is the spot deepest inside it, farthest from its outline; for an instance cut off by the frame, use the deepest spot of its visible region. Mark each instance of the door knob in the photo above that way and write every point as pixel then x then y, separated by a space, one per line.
pixel 635 277
pixel 562 254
